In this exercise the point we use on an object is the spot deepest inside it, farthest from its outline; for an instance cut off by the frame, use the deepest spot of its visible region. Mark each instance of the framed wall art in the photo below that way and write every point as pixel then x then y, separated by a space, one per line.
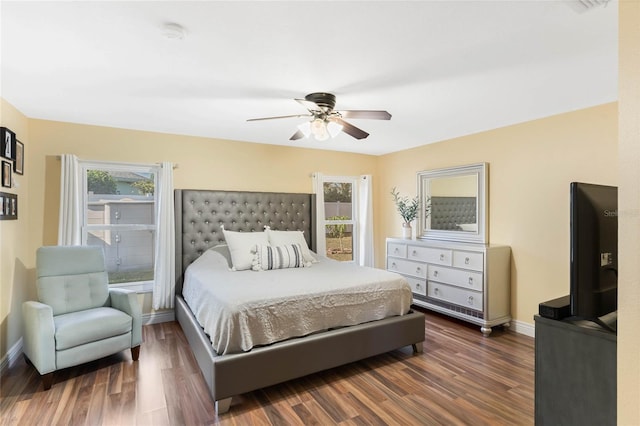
pixel 7 143
pixel 18 163
pixel 8 206
pixel 6 174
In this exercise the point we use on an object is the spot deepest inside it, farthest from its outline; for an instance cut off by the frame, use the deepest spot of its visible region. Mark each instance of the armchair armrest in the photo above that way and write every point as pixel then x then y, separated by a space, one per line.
pixel 39 336
pixel 127 301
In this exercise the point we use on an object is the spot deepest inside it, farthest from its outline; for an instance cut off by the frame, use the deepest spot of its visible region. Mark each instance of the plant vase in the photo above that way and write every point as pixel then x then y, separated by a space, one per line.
pixel 406 230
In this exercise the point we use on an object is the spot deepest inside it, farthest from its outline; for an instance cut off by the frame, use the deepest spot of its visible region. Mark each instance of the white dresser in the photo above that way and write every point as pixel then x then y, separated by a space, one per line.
pixel 464 280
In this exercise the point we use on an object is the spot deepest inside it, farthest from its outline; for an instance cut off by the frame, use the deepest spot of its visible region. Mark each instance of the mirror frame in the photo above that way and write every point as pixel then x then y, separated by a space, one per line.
pixel 481 170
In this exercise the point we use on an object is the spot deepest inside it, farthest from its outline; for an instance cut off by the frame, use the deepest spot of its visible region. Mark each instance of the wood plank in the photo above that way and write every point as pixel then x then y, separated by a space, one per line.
pixel 461 378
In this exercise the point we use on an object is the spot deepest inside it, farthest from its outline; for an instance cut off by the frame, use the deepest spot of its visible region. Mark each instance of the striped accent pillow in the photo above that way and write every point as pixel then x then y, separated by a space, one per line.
pixel 278 257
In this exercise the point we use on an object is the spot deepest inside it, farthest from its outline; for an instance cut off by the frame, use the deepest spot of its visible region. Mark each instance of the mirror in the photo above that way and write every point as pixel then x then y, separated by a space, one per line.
pixel 454 203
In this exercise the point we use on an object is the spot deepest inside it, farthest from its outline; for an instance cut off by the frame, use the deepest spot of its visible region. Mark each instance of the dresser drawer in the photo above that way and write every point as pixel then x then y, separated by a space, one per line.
pixel 468 260
pixel 418 286
pixel 397 250
pixel 429 254
pixel 407 267
pixel 467 298
pixel 457 277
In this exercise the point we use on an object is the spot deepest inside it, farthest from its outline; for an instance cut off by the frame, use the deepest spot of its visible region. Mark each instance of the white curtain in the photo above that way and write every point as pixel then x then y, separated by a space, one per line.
pixel 365 221
pixel 164 272
pixel 318 189
pixel 70 223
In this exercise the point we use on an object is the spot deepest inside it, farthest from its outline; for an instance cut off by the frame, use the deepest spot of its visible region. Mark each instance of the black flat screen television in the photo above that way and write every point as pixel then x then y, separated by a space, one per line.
pixel 594 252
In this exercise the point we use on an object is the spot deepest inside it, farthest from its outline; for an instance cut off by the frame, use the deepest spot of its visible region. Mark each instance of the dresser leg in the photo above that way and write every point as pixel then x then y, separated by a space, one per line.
pixel 486 331
pixel 223 405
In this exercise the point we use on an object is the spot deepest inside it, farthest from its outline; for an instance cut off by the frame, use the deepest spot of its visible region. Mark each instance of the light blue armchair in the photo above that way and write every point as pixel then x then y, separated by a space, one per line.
pixel 77 317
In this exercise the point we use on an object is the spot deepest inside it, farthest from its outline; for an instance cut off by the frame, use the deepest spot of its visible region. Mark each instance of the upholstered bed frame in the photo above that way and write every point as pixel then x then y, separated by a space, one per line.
pixel 449 212
pixel 199 216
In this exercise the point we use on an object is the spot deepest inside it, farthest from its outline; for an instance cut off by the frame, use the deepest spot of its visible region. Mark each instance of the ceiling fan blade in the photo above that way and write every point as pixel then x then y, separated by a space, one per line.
pixel 281 116
pixel 311 106
pixel 369 114
pixel 350 129
pixel 297 135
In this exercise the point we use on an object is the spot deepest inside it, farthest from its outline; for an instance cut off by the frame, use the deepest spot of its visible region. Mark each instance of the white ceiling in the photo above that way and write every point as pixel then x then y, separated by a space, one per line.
pixel 442 69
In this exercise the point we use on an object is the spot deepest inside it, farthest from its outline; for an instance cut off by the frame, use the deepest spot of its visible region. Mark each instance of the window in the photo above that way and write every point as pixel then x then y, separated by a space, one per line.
pixel 340 217
pixel 119 214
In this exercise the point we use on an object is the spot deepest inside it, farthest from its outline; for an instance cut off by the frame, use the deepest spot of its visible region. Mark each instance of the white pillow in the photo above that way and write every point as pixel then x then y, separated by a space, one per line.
pixel 280 238
pixel 278 257
pixel 241 246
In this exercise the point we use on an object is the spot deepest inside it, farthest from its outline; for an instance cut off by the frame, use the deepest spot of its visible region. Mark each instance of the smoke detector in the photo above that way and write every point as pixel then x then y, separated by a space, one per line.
pixel 173 31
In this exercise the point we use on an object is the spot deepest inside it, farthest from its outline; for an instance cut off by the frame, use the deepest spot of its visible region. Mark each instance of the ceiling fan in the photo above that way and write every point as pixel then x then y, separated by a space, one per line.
pixel 325 122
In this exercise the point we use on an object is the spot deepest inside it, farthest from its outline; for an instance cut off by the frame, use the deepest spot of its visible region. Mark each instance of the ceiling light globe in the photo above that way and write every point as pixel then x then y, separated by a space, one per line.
pixel 319 129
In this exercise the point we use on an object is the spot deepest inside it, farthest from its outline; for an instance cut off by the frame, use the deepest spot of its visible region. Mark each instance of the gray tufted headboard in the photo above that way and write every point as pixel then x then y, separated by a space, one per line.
pixel 199 215
pixel 448 212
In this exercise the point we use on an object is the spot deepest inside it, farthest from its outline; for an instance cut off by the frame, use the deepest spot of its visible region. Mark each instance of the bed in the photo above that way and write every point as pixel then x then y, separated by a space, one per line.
pixel 201 216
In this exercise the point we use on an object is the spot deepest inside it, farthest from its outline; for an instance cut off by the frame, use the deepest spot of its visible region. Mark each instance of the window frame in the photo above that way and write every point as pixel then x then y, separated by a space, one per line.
pixel 354 221
pixel 145 286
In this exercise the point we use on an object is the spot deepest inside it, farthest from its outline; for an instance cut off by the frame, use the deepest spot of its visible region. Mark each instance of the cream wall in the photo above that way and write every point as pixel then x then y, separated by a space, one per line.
pixel 629 215
pixel 202 163
pixel 530 168
pixel 15 253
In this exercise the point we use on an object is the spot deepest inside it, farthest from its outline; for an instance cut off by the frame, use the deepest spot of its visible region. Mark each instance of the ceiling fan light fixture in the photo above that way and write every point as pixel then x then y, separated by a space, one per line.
pixel 305 128
pixel 334 128
pixel 319 129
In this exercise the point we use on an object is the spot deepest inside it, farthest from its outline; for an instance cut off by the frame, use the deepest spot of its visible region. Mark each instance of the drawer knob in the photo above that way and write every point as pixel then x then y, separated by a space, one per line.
pixel 393 265
pixel 435 273
pixel 417 285
pixel 442 256
pixel 466 260
pixel 414 253
pixel 470 300
pixel 418 270
pixel 470 280
pixel 436 290
pixel 396 250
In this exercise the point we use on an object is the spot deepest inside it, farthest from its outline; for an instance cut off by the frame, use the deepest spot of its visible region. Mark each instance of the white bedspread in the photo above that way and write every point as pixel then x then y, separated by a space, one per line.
pixel 243 309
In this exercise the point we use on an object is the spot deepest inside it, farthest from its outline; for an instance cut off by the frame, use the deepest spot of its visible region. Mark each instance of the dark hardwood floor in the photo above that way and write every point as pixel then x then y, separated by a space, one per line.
pixel 462 378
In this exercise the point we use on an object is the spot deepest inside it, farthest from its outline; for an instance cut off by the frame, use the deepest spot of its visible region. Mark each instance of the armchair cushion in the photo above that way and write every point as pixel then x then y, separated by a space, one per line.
pixel 78 328
pixel 71 278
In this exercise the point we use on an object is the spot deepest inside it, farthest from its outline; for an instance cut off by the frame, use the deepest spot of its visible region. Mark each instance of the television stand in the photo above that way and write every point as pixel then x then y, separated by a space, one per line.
pixel 575 373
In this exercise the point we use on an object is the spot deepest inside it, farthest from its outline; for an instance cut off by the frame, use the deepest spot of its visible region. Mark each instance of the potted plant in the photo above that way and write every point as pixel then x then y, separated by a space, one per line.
pixel 408 209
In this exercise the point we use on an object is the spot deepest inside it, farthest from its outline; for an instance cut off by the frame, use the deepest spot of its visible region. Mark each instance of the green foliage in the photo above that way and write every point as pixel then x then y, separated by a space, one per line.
pixel 100 182
pixel 337 191
pixel 146 186
pixel 408 208
pixel 337 230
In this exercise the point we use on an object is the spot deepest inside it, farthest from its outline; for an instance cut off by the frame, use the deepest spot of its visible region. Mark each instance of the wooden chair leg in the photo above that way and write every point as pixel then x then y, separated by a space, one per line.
pixel 47 380
pixel 135 352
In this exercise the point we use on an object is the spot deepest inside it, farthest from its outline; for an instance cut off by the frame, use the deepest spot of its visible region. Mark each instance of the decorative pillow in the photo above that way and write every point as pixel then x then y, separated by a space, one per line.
pixel 241 247
pixel 278 257
pixel 279 238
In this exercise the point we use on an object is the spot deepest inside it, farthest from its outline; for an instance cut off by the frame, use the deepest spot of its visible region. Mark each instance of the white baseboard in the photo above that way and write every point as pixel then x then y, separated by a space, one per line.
pixel 11 356
pixel 523 328
pixel 158 317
